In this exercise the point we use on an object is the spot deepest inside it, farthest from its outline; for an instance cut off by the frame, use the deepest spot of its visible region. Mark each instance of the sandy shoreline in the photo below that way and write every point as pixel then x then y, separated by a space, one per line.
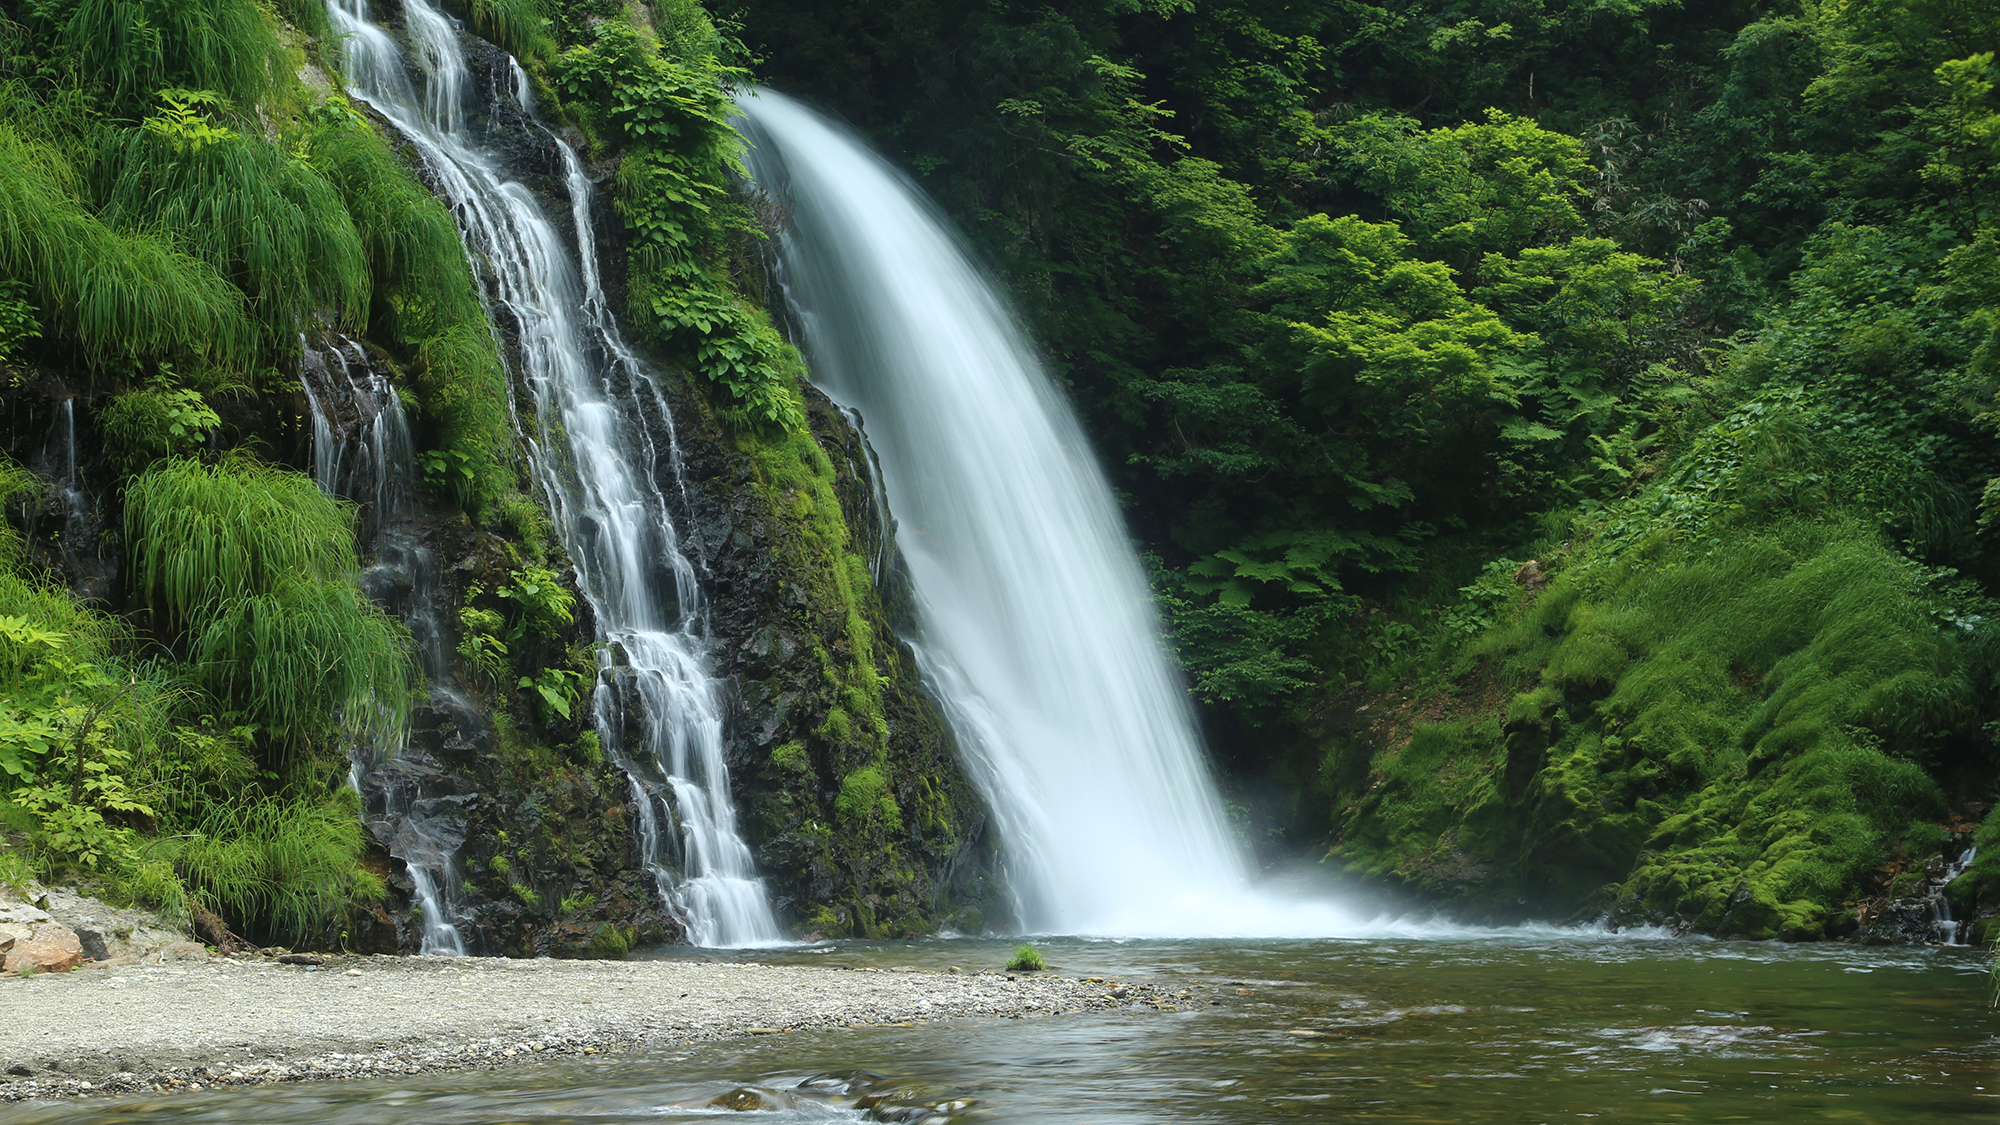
pixel 200 1024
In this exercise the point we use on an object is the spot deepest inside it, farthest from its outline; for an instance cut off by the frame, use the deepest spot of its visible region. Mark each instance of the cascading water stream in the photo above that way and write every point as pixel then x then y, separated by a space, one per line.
pixel 1950 930
pixel 374 468
pixel 591 442
pixel 1036 625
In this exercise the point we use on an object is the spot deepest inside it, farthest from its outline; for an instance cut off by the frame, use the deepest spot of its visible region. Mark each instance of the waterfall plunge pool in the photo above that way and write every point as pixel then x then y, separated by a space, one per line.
pixel 1520 1026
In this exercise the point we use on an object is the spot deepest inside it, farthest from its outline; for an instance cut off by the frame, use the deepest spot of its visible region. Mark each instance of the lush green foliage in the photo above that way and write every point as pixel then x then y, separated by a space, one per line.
pixel 208 534
pixel 137 47
pixel 177 210
pixel 292 865
pixel 522 27
pixel 145 425
pixel 255 567
pixel 108 771
pixel 266 220
pixel 120 296
pixel 660 98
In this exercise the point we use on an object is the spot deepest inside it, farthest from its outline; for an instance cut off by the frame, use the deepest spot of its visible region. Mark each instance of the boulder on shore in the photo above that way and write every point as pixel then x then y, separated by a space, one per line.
pixel 50 947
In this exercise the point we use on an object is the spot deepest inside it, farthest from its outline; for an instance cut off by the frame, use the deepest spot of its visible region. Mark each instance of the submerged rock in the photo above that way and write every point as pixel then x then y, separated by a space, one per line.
pixel 743 1099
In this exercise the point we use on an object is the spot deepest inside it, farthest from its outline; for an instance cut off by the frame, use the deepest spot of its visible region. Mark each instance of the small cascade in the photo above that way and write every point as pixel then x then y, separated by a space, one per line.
pixel 884 547
pixel 362 452
pixel 602 448
pixel 69 486
pixel 70 520
pixel 1949 930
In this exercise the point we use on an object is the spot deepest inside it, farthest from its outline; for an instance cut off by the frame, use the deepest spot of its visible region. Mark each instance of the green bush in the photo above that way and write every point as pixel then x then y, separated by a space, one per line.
pixel 1027 959
pixel 142 426
pixel 284 870
pixel 255 567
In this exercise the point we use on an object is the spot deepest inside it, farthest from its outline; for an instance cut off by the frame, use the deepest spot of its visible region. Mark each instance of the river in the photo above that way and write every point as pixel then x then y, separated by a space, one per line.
pixel 1519 1027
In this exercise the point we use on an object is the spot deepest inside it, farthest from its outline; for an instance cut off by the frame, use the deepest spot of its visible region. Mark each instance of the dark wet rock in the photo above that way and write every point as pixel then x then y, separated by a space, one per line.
pixel 778 625
pixel 1915 905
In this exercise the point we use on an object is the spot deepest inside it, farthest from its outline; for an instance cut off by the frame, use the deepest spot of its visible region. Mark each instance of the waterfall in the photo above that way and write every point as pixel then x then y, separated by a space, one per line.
pixel 597 430
pixel 1949 930
pixel 1036 626
pixel 362 452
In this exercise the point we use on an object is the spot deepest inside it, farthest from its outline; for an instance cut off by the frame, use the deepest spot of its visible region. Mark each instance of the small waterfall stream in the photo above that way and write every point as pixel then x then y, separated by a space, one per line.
pixel 363 453
pixel 1948 929
pixel 1036 624
pixel 591 442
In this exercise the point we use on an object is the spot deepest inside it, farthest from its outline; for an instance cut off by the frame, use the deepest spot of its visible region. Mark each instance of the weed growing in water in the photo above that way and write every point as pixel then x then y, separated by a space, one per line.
pixel 1027 959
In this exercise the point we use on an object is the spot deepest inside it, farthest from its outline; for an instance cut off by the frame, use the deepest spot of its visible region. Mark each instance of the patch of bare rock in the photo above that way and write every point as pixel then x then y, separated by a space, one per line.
pixel 57 930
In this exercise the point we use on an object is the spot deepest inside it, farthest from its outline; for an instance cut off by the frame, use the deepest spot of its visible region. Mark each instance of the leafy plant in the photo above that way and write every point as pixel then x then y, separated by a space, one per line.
pixel 546 605
pixel 556 688
pixel 145 425
pixel 18 323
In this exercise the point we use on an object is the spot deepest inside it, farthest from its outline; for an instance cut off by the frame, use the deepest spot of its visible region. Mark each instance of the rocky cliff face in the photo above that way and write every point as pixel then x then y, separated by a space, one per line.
pixel 849 777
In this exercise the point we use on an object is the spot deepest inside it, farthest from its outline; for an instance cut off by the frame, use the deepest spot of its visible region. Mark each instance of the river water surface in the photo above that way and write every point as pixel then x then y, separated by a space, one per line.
pixel 1528 1026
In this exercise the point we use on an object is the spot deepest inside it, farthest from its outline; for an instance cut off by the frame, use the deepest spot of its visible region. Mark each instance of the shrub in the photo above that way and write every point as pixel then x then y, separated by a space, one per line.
pixel 1027 959
pixel 283 869
pixel 142 426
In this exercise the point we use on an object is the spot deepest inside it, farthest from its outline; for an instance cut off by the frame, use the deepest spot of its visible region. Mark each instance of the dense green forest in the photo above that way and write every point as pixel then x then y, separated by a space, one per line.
pixel 1561 434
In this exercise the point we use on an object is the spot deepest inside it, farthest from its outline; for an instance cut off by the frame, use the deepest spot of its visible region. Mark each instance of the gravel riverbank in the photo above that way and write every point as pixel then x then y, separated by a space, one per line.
pixel 227 1021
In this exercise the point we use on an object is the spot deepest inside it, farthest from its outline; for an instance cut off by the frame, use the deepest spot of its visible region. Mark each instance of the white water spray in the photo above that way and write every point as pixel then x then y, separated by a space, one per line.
pixel 1036 625
pixel 592 442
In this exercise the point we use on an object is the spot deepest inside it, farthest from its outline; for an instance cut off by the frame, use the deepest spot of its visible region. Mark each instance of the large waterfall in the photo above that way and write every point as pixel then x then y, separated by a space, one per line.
pixel 1036 625
pixel 593 448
